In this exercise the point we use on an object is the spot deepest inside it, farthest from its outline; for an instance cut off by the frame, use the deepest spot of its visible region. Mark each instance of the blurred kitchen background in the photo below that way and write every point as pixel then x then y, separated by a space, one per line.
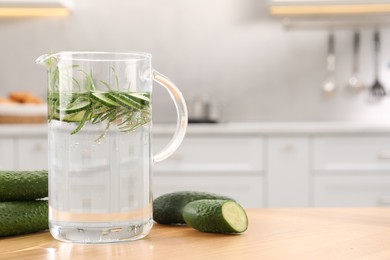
pixel 234 52
pixel 282 141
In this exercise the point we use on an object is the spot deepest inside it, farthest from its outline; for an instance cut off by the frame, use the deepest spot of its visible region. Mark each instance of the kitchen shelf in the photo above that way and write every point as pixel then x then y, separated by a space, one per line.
pixel 33 8
pixel 336 23
pixel 331 14
pixel 328 7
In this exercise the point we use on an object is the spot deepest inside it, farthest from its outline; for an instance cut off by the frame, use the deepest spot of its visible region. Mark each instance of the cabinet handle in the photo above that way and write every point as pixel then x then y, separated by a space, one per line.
pixel 384 155
pixel 384 200
pixel 38 147
pixel 288 147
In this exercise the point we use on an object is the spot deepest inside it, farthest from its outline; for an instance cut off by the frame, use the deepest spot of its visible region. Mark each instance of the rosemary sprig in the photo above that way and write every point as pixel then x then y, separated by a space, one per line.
pixel 125 110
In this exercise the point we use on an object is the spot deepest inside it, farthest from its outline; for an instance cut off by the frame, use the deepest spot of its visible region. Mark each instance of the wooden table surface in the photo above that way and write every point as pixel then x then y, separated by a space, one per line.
pixel 273 234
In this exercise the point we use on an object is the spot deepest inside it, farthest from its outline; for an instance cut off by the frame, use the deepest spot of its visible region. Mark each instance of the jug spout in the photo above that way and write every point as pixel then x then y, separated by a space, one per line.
pixel 45 60
pixel 42 60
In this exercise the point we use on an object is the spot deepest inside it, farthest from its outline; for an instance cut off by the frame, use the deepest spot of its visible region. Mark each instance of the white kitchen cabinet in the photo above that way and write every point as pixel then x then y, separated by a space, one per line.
pixel 288 172
pixel 271 165
pixel 32 153
pixel 247 190
pixel 351 171
pixel 352 191
pixel 7 154
pixel 219 154
pixel 23 153
pixel 356 154
pixel 232 166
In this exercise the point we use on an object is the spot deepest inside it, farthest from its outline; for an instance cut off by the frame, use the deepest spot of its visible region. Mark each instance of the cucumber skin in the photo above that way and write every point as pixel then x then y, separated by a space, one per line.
pixel 206 216
pixel 168 208
pixel 23 217
pixel 23 185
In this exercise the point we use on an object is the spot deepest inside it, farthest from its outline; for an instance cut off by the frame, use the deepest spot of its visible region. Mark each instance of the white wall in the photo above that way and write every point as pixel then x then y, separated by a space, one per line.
pixel 229 49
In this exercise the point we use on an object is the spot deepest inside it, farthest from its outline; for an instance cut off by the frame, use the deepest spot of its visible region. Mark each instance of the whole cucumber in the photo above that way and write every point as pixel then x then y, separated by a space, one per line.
pixel 168 208
pixel 23 217
pixel 23 185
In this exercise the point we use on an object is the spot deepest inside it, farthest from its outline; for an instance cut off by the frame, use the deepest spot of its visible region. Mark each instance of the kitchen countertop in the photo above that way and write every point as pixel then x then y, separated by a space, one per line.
pixel 251 128
pixel 301 233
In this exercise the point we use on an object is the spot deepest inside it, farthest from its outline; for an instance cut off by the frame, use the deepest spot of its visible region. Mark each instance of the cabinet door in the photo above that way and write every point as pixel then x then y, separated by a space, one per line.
pixel 216 154
pixel 7 154
pixel 230 166
pixel 359 154
pixel 288 172
pixel 247 190
pixel 351 191
pixel 32 153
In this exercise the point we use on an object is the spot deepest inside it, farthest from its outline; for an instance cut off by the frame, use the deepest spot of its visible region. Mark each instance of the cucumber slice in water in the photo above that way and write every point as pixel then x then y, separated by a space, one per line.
pixel 101 98
pixel 76 106
pixel 125 101
pixel 70 118
pixel 138 97
pixel 216 216
pixel 141 98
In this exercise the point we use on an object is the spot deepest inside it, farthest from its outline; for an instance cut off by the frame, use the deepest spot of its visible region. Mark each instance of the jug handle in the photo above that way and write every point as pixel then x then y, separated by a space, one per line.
pixel 182 117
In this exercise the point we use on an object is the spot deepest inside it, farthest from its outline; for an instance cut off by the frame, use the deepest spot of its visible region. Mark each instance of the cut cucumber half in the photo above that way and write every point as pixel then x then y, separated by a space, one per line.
pixel 235 216
pixel 216 216
pixel 168 208
pixel 101 98
pixel 76 106
pixel 125 101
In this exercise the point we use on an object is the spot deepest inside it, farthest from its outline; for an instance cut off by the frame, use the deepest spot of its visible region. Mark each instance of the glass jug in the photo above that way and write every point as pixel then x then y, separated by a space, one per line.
pixel 99 133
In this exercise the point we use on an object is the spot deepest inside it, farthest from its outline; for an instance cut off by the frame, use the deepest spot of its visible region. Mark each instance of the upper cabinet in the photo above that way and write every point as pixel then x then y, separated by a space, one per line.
pixel 328 7
pixel 28 8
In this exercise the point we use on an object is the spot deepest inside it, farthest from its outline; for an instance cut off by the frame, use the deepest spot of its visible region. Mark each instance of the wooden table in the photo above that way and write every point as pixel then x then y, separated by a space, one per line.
pixel 273 234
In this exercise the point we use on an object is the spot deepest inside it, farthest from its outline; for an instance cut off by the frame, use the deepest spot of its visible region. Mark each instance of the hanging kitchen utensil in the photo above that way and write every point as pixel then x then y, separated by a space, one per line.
pixel 329 85
pixel 354 82
pixel 377 90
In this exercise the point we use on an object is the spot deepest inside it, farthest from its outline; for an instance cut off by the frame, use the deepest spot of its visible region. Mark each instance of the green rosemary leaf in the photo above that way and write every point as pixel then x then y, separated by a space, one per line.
pixel 77 82
pixel 90 86
pixel 106 84
pixel 82 122
pixel 103 133
pixel 116 77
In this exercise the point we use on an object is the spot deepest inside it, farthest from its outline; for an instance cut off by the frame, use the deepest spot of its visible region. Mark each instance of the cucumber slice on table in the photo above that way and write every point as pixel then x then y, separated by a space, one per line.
pixel 216 216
